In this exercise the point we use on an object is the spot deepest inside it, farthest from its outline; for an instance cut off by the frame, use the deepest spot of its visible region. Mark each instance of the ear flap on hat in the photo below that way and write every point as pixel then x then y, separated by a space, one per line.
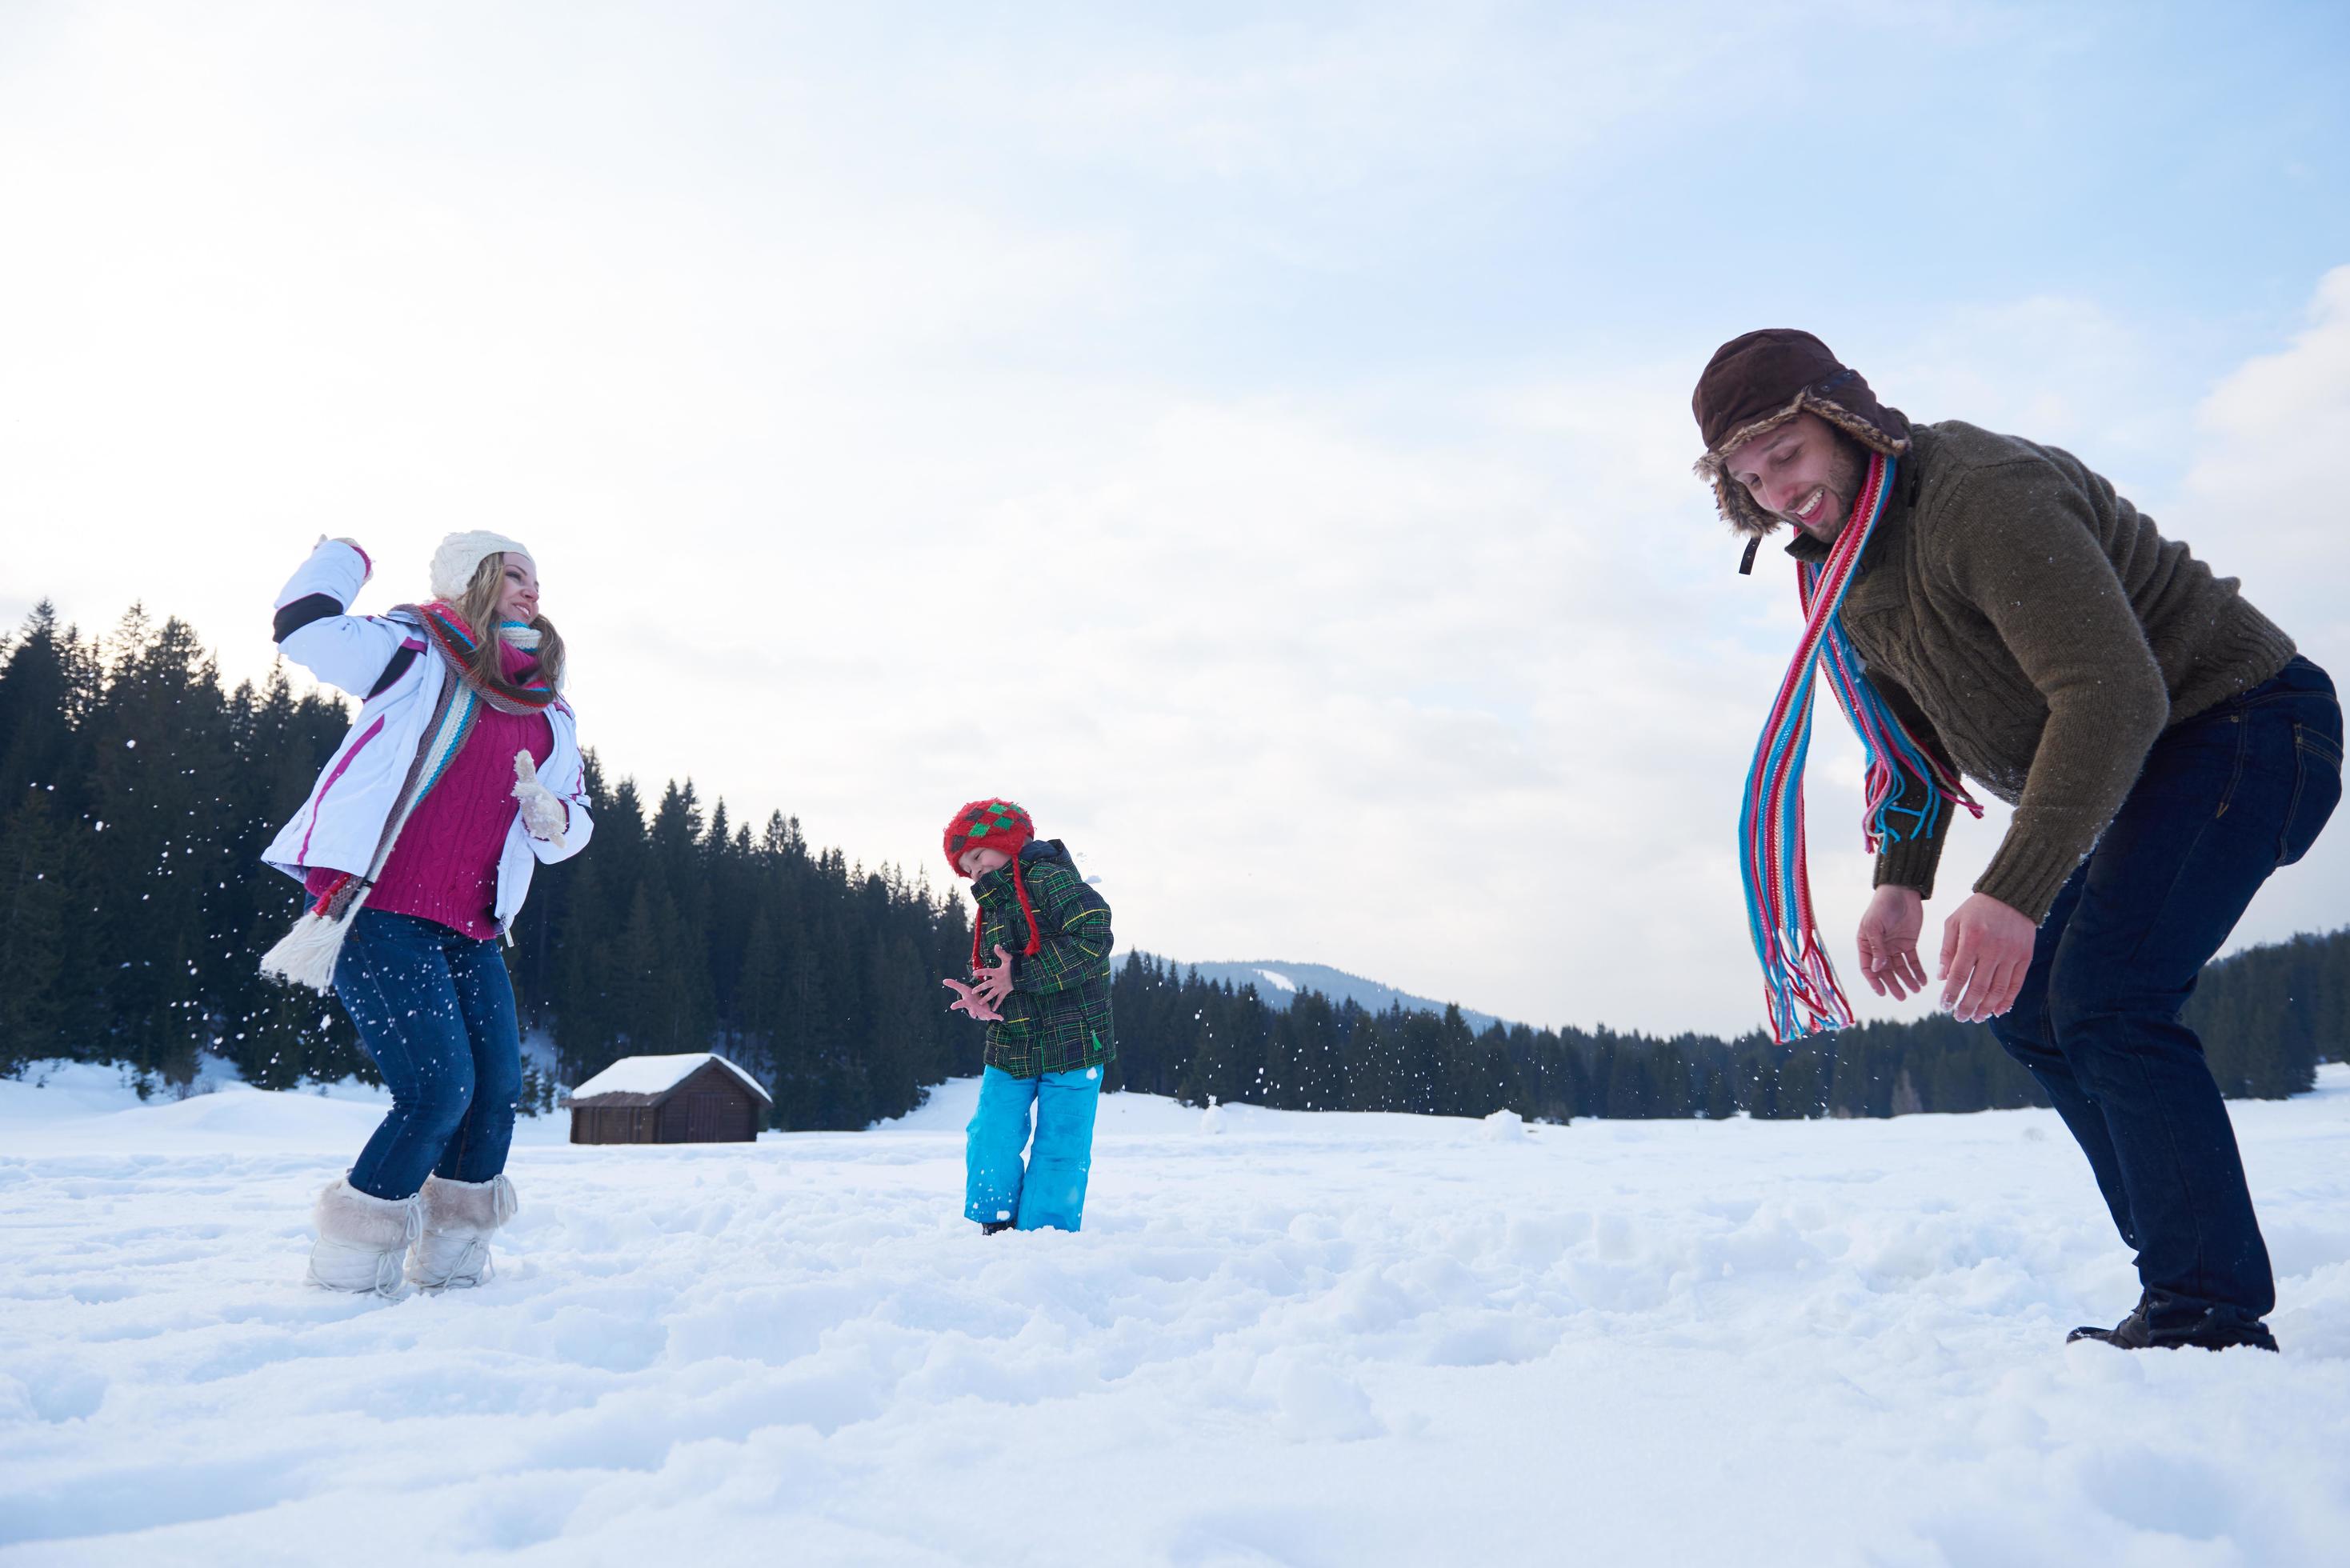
pixel 1729 498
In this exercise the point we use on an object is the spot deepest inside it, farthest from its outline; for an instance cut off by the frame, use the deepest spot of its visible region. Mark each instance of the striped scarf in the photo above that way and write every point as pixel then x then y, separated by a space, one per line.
pixel 460 702
pixel 1799 983
pixel 307 954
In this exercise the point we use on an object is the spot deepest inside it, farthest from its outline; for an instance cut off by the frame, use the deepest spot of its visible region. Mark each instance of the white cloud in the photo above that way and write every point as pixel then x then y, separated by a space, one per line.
pixel 2066 372
pixel 2265 487
pixel 2263 502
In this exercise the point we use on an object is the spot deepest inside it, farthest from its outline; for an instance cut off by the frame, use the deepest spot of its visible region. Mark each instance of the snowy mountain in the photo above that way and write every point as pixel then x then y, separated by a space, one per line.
pixel 1278 981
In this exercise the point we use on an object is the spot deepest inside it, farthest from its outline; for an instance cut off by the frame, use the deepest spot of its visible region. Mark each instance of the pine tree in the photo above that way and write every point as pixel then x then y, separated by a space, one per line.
pixel 35 890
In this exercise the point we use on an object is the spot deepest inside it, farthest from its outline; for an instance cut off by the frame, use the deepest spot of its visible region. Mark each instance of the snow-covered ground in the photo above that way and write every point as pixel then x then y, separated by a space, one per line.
pixel 1315 1340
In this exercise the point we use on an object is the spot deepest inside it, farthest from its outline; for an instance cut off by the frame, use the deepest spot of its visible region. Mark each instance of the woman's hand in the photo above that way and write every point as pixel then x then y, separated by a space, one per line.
pixel 543 814
pixel 354 544
pixel 1888 942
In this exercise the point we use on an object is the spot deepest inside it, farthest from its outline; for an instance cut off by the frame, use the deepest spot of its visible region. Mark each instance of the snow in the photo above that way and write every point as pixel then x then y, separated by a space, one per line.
pixel 1505 1126
pixel 1313 1339
pixel 653 1075
pixel 1277 979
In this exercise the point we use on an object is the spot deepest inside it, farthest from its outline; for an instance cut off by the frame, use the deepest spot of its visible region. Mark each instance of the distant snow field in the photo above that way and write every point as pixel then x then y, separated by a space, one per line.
pixel 1322 1340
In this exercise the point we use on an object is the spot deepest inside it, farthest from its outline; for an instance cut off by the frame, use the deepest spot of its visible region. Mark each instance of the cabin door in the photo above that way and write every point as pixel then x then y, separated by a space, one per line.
pixel 705 1118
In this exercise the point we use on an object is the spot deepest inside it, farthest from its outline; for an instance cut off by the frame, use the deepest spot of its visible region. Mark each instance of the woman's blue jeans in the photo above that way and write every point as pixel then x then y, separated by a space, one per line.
pixel 436 1011
pixel 1052 1189
pixel 2224 799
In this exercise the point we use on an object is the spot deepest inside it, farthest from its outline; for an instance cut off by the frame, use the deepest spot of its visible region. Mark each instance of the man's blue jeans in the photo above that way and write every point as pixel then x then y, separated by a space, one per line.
pixel 436 1011
pixel 1052 1190
pixel 2224 799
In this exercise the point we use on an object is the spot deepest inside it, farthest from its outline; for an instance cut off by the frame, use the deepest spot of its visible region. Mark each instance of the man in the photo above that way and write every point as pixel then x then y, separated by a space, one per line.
pixel 2163 746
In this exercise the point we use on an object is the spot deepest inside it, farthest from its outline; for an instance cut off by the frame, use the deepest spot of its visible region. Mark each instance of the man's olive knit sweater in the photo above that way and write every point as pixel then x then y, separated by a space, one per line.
pixel 2033 626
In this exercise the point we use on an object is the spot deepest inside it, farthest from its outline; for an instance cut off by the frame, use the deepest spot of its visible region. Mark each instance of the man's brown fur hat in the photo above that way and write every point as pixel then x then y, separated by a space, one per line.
pixel 1758 382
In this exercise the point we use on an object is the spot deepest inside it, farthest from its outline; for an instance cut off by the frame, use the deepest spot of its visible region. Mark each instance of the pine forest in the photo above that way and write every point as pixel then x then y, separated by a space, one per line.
pixel 134 907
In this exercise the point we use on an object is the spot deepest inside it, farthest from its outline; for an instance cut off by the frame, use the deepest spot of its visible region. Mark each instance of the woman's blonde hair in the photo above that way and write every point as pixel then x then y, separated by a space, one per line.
pixel 478 608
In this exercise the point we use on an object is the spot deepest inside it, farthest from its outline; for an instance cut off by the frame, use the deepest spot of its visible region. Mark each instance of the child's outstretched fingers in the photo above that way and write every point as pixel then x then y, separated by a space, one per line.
pixel 969 1001
pixel 995 982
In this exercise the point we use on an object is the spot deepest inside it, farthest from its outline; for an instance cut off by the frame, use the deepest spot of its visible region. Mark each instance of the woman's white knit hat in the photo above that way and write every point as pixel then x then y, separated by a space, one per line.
pixel 460 556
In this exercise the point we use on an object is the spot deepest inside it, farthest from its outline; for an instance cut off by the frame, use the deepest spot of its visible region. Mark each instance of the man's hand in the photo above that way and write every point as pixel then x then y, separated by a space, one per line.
pixel 1986 949
pixel 1888 942
pixel 968 1001
pixel 995 984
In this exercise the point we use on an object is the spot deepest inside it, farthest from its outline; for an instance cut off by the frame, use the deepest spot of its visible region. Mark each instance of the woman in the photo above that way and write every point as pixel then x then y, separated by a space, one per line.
pixel 461 771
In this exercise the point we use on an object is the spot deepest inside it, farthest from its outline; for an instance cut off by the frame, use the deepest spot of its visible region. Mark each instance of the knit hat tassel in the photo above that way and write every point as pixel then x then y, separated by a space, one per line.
pixel 1036 933
pixel 1020 889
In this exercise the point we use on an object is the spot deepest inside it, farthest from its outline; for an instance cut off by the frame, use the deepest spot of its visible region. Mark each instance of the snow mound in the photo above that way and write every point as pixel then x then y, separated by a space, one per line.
pixel 1505 1126
pixel 48 1090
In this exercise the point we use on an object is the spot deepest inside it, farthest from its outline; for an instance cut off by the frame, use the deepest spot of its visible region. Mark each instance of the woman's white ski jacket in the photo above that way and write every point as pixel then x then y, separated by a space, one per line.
pixel 342 822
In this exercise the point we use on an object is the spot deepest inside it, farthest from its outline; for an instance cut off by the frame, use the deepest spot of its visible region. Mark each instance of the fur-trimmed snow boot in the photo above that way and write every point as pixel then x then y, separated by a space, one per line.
pixel 454 1249
pixel 362 1240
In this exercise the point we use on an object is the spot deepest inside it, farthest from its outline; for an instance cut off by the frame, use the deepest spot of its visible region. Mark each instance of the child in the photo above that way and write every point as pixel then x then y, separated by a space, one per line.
pixel 1045 1001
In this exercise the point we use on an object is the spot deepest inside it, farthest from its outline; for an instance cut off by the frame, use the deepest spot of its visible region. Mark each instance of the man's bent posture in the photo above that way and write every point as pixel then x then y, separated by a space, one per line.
pixel 2164 749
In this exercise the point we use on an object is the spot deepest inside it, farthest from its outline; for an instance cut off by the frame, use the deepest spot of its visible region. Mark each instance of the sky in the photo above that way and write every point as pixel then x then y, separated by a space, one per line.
pixel 1256 439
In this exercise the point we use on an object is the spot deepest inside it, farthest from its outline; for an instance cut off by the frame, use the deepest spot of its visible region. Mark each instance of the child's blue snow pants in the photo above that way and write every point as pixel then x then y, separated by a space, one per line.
pixel 1052 1191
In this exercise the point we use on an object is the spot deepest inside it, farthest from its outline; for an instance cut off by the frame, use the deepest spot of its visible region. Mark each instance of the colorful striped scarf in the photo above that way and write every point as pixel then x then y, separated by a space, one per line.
pixel 307 954
pixel 462 696
pixel 1799 983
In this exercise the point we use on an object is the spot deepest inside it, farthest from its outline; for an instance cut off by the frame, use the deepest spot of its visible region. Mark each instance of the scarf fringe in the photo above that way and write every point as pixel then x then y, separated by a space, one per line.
pixel 307 954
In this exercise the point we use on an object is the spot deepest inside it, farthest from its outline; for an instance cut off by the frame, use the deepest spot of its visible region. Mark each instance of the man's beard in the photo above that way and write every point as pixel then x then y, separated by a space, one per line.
pixel 1846 467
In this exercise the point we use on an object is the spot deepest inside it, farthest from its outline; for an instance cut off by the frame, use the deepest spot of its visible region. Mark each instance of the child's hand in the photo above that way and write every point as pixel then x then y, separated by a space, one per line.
pixel 969 1001
pixel 995 984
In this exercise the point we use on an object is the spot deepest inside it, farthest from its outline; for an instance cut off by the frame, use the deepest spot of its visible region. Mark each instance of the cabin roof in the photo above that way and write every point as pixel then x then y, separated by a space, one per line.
pixel 648 1080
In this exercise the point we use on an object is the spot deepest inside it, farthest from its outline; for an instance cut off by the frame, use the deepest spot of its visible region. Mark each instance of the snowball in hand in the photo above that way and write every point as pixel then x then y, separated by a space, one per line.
pixel 543 815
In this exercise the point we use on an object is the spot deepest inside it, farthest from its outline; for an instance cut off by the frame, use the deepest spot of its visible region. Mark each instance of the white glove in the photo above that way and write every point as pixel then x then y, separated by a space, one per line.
pixel 354 544
pixel 543 813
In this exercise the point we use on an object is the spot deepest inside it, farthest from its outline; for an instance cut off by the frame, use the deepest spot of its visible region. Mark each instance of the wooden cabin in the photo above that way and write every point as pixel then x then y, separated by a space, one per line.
pixel 699 1097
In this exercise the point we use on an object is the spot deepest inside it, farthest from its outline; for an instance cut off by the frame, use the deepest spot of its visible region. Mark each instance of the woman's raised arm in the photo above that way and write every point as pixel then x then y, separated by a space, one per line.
pixel 314 626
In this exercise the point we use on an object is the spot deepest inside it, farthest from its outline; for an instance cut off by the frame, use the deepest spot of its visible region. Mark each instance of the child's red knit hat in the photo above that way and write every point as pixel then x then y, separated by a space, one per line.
pixel 987 825
pixel 995 825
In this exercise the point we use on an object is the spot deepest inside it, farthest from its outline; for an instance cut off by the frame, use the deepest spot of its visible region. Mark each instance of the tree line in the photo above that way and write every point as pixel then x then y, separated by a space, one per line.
pixel 2267 1016
pixel 136 794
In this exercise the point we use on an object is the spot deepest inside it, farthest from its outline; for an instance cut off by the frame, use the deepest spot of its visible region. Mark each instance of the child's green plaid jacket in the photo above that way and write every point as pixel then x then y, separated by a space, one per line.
pixel 1057 1019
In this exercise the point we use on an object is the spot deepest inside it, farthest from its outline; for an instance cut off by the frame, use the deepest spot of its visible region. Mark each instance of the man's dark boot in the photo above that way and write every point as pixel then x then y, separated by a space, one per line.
pixel 2164 1322
pixel 993 1226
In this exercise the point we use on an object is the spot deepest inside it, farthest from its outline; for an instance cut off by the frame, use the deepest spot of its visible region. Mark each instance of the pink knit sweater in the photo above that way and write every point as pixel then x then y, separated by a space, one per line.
pixel 444 864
